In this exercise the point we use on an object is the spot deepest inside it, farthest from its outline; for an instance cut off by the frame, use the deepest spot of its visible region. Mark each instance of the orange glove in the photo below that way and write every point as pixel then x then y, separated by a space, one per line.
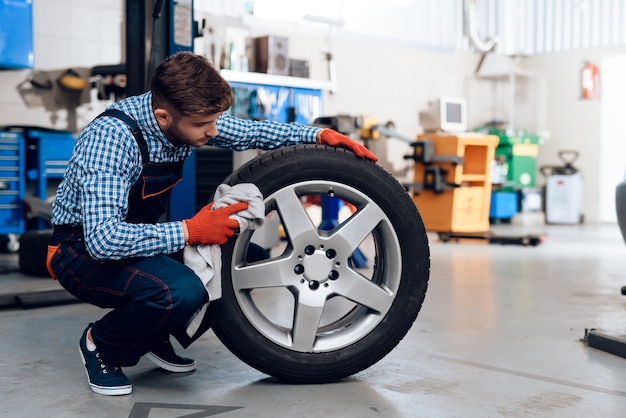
pixel 335 139
pixel 210 226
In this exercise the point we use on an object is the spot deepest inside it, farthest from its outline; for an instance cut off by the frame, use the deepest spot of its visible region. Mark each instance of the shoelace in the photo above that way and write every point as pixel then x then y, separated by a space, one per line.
pixel 105 367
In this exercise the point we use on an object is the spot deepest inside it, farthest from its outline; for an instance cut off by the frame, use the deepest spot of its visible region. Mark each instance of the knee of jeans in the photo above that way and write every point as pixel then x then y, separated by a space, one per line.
pixel 190 296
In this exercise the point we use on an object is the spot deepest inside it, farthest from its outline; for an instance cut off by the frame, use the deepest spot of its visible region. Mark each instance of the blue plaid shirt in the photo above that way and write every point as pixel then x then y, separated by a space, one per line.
pixel 106 162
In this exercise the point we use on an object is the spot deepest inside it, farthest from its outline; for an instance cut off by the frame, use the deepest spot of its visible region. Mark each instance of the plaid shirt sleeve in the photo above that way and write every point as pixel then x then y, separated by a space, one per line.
pixel 241 134
pixel 94 194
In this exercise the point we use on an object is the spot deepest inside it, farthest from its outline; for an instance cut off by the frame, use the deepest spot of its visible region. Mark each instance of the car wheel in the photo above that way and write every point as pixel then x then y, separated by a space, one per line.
pixel 339 294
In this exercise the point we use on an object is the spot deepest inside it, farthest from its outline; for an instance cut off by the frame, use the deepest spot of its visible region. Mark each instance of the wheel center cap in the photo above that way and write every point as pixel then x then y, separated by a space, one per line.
pixel 317 267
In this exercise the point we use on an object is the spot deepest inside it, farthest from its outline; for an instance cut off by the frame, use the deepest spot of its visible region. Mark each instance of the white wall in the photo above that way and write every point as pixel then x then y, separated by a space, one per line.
pixel 574 123
pixel 77 34
pixel 385 80
pixel 376 78
pixel 388 80
pixel 612 163
pixel 390 83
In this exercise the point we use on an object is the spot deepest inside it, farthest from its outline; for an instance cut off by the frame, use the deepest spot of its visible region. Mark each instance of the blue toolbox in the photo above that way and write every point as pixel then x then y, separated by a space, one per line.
pixel 11 183
pixel 47 154
pixel 30 156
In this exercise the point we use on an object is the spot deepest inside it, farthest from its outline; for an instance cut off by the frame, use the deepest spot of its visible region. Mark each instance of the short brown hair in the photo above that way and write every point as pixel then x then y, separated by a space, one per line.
pixel 190 85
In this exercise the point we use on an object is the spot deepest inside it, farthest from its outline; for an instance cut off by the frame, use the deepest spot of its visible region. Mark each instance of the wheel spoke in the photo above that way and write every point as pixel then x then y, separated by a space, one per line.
pixel 307 316
pixel 357 227
pixel 293 215
pixel 360 290
pixel 269 274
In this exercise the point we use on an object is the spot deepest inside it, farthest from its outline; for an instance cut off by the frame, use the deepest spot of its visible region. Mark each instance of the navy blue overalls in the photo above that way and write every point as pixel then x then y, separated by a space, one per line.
pixel 151 297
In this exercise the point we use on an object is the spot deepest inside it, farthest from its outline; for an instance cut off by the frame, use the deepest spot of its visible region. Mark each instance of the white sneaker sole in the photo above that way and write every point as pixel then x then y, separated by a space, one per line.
pixel 170 367
pixel 104 390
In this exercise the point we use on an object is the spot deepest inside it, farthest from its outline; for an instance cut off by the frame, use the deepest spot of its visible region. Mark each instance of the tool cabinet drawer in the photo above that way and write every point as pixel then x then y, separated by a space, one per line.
pixel 11 183
pixel 48 154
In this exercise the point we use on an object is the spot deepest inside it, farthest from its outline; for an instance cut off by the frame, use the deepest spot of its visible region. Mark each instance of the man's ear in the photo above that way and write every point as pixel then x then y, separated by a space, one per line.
pixel 163 117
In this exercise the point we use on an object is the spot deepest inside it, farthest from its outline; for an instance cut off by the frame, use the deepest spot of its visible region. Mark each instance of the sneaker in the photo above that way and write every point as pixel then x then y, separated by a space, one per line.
pixel 164 356
pixel 103 379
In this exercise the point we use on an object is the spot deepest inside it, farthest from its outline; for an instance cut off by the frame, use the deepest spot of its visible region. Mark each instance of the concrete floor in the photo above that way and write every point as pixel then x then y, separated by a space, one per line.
pixel 499 336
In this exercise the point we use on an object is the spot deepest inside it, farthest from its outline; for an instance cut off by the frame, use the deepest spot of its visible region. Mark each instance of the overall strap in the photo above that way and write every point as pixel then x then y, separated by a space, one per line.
pixel 134 127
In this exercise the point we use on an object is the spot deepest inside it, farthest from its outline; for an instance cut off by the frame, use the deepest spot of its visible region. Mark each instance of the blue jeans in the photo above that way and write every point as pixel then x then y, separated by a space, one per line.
pixel 151 297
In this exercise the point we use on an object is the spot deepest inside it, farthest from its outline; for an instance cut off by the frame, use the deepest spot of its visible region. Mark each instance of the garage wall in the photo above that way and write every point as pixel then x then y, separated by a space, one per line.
pixel 574 123
pixel 76 34
pixel 387 80
pixel 378 78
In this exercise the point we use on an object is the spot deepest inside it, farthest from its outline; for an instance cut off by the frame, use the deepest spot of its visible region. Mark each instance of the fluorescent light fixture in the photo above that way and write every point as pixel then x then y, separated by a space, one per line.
pixel 283 10
pixel 321 11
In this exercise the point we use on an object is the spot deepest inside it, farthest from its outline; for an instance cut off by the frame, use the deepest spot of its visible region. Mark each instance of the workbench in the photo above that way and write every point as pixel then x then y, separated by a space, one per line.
pixel 464 162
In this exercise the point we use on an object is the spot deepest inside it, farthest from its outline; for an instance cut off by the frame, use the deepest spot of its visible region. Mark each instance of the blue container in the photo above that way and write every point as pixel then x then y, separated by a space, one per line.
pixel 16 34
pixel 503 205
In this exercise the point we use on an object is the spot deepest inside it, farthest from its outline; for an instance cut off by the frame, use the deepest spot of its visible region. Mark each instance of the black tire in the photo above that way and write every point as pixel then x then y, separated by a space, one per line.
pixel 336 318
pixel 33 252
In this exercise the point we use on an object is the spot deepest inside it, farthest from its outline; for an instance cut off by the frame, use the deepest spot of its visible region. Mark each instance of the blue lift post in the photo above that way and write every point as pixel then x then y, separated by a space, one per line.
pixel 172 30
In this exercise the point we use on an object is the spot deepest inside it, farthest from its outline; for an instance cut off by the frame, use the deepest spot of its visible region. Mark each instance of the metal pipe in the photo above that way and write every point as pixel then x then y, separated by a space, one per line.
pixel 472 28
pixel 393 134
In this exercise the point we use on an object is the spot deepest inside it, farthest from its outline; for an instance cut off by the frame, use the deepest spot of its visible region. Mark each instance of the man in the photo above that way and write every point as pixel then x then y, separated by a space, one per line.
pixel 109 248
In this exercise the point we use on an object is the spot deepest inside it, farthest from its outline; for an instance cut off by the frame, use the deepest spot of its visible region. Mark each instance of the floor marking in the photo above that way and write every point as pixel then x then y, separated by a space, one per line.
pixel 142 409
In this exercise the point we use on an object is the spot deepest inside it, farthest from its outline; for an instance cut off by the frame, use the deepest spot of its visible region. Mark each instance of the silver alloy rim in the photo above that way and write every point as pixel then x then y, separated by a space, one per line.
pixel 311 295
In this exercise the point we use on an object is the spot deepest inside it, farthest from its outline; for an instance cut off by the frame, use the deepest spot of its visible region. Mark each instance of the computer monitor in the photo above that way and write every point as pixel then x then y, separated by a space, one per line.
pixel 448 114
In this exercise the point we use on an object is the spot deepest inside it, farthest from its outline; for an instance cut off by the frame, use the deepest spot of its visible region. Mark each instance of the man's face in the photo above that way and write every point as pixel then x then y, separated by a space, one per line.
pixel 191 130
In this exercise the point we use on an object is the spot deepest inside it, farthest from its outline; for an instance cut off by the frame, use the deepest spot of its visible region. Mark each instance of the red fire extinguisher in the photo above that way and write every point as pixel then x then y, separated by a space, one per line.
pixel 589 80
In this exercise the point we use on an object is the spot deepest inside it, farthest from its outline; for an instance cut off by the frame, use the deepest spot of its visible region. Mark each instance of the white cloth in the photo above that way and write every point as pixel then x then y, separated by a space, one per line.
pixel 206 260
